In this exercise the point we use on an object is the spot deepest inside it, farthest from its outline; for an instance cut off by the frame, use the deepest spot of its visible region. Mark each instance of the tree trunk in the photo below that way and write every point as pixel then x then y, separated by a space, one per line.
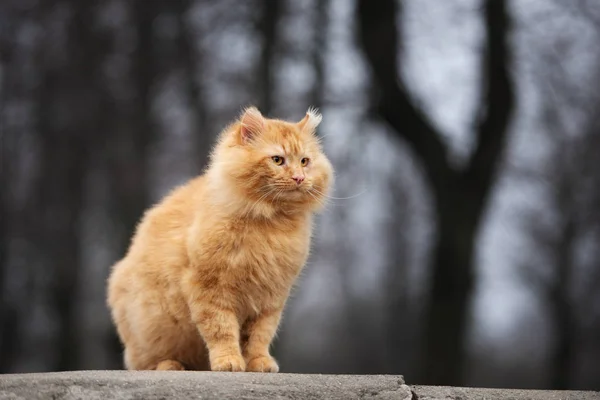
pixel 271 13
pixel 128 163
pixel 11 85
pixel 192 61
pixel 60 201
pixel 560 296
pixel 399 329
pixel 66 131
pixel 62 193
pixel 460 194
pixel 446 318
pixel 320 25
pixel 562 356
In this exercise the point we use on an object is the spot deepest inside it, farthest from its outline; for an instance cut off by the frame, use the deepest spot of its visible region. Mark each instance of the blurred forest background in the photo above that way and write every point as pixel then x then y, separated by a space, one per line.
pixel 466 139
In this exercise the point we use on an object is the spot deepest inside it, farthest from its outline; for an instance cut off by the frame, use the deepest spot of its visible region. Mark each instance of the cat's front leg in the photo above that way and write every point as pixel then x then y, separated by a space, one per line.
pixel 220 330
pixel 257 334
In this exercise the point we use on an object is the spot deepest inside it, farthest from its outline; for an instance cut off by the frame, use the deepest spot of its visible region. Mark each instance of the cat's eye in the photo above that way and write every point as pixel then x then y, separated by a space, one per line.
pixel 304 162
pixel 278 160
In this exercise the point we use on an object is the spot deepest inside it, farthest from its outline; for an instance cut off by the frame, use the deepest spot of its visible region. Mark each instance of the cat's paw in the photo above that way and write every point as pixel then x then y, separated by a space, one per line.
pixel 228 363
pixel 170 365
pixel 262 364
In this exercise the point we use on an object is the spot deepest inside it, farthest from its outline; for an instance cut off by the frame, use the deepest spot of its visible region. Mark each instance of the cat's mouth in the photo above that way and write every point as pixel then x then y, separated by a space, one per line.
pixel 284 191
pixel 292 187
pixel 292 192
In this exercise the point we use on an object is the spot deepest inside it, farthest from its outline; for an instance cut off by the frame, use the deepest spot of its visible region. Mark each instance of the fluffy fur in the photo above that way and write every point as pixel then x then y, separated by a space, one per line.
pixel 210 268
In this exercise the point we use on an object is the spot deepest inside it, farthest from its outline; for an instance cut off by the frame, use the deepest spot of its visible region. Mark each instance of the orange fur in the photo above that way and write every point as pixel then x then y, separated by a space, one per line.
pixel 210 268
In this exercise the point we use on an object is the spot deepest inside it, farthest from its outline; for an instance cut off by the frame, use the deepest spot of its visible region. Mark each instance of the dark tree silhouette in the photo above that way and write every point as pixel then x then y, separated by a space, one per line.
pixel 129 145
pixel 66 144
pixel 558 291
pixel 192 63
pixel 271 11
pixel 399 327
pixel 11 86
pixel 129 166
pixel 320 25
pixel 572 177
pixel 460 195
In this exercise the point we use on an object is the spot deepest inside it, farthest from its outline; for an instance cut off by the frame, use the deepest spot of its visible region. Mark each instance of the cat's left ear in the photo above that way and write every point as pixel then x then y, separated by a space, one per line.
pixel 311 120
pixel 252 124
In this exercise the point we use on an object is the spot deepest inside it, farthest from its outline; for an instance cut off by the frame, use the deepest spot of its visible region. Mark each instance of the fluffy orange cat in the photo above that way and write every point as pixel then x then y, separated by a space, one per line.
pixel 210 268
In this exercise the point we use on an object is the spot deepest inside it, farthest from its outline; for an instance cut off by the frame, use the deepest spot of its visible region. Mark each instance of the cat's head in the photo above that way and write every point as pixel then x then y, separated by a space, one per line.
pixel 274 163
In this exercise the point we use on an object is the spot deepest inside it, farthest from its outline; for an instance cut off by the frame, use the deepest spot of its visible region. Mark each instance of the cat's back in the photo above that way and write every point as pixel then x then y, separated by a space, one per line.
pixel 169 220
pixel 159 240
pixel 157 251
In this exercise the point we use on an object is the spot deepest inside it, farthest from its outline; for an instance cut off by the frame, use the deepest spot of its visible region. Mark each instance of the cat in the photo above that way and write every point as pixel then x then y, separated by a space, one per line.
pixel 209 269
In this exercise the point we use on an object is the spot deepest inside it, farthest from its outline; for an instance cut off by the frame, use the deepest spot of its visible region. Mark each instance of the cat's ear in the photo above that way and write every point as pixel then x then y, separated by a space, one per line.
pixel 252 123
pixel 311 120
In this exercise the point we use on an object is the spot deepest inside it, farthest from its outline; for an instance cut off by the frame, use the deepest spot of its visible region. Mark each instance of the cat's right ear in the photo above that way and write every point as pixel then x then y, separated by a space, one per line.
pixel 252 124
pixel 311 120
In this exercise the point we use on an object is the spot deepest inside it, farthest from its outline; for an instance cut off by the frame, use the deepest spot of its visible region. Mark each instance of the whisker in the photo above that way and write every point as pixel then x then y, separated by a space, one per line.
pixel 339 198
pixel 327 201
pixel 318 200
pixel 261 198
pixel 279 193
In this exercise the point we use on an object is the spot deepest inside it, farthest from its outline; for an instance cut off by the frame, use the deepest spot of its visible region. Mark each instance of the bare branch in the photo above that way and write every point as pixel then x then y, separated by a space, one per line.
pixel 498 104
pixel 380 44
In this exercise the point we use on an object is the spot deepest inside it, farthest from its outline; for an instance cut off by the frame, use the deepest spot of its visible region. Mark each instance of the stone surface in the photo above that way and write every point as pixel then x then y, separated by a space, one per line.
pixel 151 385
pixel 453 393
pixel 108 385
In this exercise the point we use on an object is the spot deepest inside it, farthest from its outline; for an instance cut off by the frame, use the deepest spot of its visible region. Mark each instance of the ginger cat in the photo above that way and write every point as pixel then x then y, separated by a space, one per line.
pixel 210 268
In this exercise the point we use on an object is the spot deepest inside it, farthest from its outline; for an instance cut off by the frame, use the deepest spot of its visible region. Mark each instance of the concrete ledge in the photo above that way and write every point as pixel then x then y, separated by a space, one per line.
pixel 108 385
pixel 150 385
pixel 459 393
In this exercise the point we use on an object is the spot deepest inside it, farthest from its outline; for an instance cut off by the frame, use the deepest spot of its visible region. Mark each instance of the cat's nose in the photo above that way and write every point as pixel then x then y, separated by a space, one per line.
pixel 298 178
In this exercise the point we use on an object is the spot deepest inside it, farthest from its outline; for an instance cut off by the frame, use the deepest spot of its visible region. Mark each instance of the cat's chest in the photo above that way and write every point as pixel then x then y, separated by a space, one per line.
pixel 257 252
pixel 257 264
